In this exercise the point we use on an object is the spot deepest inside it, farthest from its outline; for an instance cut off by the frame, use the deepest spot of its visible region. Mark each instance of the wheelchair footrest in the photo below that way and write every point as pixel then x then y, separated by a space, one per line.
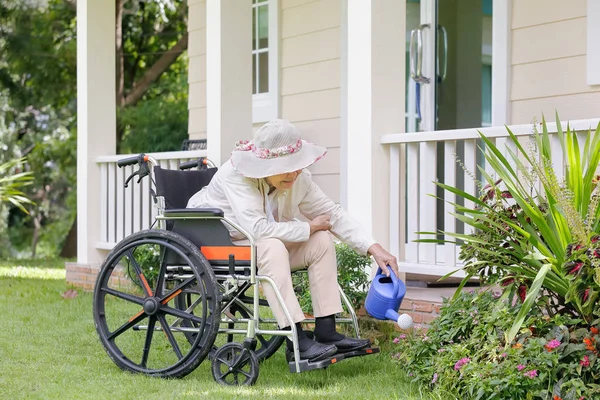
pixel 306 365
pixel 362 352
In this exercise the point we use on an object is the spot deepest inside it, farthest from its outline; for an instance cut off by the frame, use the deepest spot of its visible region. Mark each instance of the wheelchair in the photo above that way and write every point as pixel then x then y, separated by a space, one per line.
pixel 163 295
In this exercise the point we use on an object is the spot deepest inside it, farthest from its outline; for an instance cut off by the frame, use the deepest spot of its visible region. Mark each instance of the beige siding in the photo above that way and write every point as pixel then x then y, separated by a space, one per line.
pixel 197 69
pixel 549 62
pixel 285 4
pixel 330 184
pixel 310 80
pixel 540 12
pixel 309 76
pixel 548 44
pixel 576 106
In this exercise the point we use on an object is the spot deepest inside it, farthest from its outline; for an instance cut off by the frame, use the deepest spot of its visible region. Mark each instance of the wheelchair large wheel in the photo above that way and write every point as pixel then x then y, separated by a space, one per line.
pixel 239 309
pixel 135 304
pixel 266 345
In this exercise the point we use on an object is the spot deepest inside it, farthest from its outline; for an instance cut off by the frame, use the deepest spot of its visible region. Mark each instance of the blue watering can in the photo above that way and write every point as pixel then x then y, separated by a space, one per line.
pixel 384 299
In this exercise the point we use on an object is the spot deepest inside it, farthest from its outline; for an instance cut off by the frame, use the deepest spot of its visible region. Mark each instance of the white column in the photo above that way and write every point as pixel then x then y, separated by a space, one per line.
pixel 501 62
pixel 96 116
pixel 229 76
pixel 374 106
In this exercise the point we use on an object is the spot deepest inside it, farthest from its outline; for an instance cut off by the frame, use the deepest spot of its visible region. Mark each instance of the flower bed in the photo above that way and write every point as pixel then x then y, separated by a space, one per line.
pixel 464 352
pixel 537 237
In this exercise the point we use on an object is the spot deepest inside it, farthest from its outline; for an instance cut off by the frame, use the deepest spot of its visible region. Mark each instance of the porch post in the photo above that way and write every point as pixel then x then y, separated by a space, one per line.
pixel 96 117
pixel 229 76
pixel 373 105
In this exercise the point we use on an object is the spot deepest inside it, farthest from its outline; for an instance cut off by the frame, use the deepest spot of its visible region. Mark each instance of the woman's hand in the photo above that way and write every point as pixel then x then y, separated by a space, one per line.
pixel 384 259
pixel 320 223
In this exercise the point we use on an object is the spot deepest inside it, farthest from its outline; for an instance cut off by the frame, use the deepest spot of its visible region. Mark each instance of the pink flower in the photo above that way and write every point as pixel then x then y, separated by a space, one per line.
pixel 503 355
pixel 435 378
pixel 531 374
pixel 551 345
pixel 585 362
pixel 520 367
pixel 400 337
pixel 462 362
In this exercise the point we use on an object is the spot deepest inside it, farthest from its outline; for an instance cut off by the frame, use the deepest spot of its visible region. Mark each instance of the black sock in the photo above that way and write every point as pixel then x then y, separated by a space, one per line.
pixel 303 341
pixel 325 329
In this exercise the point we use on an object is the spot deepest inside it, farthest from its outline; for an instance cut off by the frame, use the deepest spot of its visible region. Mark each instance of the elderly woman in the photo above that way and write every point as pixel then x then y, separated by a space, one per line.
pixel 266 189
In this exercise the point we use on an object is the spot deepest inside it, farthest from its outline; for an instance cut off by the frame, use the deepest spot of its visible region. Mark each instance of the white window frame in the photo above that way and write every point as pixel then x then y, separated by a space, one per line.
pixel 265 106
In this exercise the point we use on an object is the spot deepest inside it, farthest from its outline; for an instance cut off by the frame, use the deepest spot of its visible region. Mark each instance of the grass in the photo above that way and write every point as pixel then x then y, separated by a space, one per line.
pixel 49 349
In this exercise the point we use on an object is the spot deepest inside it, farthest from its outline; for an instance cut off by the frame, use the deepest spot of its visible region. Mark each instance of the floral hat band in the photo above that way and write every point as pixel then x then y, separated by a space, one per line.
pixel 265 153
pixel 276 148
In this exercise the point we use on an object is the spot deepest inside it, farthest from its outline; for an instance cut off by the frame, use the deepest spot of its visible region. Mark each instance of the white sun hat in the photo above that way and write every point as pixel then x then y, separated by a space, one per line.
pixel 276 149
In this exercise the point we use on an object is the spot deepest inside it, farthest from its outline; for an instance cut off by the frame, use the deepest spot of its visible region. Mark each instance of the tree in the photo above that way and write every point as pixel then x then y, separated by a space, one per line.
pixel 38 85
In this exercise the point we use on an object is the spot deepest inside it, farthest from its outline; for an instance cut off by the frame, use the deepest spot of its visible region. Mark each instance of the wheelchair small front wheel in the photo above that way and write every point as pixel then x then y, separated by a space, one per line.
pixel 233 365
pixel 135 304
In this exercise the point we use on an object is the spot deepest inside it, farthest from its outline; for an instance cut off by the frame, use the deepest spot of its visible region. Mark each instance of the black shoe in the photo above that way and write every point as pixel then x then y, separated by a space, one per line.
pixel 316 352
pixel 349 344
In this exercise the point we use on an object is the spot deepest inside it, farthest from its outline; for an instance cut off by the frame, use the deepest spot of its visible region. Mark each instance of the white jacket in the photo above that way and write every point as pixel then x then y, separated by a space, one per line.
pixel 243 200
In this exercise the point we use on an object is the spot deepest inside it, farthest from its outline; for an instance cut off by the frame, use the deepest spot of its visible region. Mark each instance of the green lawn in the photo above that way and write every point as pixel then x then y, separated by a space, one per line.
pixel 49 350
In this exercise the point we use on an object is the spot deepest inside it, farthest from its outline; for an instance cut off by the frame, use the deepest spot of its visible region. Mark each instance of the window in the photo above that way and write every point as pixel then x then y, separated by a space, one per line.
pixel 264 60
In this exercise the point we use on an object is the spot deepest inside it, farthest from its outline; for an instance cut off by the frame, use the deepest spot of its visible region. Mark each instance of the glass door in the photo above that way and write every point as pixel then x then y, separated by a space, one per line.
pixel 449 61
pixel 449 75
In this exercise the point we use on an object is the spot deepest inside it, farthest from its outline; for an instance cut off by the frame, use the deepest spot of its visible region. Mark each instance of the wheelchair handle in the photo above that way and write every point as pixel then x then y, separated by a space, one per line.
pixel 201 163
pixel 142 160
pixel 139 159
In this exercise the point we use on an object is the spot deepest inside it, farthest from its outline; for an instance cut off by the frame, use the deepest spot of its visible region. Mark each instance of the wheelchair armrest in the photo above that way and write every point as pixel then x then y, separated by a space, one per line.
pixel 189 212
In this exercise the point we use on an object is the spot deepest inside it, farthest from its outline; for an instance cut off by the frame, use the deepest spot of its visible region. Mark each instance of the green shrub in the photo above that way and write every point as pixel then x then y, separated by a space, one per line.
pixel 534 232
pixel 464 352
pixel 352 277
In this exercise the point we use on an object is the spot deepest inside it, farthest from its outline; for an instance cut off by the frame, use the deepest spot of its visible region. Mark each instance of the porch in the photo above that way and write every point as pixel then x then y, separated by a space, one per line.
pixel 341 80
pixel 417 161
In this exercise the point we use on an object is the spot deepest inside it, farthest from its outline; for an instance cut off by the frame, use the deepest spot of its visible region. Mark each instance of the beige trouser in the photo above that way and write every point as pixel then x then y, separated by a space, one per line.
pixel 277 260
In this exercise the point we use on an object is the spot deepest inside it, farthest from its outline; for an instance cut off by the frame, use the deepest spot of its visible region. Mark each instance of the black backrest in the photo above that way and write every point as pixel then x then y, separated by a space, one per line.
pixel 178 186
pixel 193 144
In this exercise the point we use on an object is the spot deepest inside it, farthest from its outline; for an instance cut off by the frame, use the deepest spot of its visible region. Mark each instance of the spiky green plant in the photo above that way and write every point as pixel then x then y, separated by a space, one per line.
pixel 552 225
pixel 11 183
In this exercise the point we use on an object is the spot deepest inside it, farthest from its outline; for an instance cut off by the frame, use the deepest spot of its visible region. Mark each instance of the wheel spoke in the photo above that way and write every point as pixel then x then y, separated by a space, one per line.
pixel 162 271
pixel 169 333
pixel 226 374
pixel 175 291
pixel 129 324
pixel 125 296
pixel 140 274
pixel 222 361
pixel 182 314
pixel 246 374
pixel 148 342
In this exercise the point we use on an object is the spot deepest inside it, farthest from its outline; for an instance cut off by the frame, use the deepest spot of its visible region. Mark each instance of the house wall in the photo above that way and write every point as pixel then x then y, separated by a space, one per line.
pixel 311 78
pixel 549 61
pixel 197 69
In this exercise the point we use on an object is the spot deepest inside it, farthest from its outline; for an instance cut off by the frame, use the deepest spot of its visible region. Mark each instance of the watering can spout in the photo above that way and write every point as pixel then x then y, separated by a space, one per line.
pixel 404 321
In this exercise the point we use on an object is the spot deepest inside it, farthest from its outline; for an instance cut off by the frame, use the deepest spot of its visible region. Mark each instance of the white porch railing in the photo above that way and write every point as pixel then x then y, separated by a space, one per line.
pixel 128 210
pixel 417 161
